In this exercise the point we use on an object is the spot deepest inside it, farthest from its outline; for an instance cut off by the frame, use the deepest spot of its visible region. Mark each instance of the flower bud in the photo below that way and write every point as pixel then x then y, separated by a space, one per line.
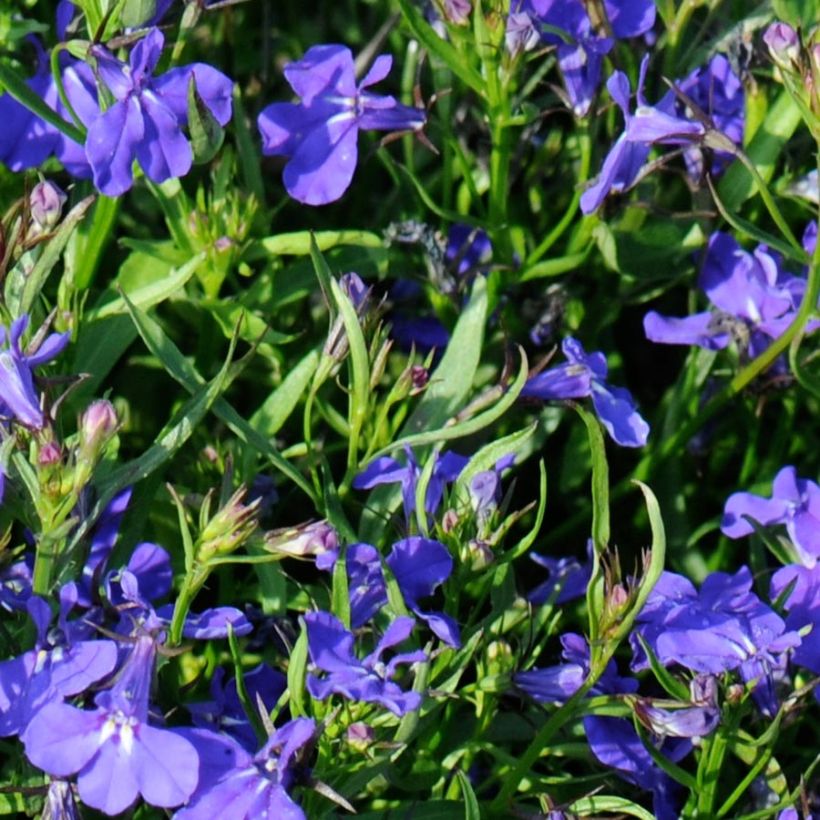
pixel 46 204
pixel 691 721
pixel 316 538
pixel 360 736
pixel 783 44
pixel 98 424
pixel 456 11
pixel 229 528
pixel 481 555
pixel 419 377
pixel 50 454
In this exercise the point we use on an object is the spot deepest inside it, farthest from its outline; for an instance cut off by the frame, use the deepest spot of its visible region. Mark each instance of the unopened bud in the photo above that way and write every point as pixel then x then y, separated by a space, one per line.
pixel 97 425
pixel 480 554
pixel 50 454
pixel 229 528
pixel 783 44
pixel 735 694
pixel 360 736
pixel 46 204
pixel 449 521
pixel 456 11
pixel 419 377
pixel 316 538
pixel 691 721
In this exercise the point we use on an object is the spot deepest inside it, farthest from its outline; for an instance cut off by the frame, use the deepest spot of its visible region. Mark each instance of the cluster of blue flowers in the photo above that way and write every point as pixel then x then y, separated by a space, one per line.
pixel 426 611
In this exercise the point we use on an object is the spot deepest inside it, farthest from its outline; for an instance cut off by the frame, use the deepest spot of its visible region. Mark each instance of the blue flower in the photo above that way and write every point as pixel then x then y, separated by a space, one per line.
pixel 320 133
pixel 18 398
pixel 649 125
pixel 370 679
pixel 233 784
pixel 146 120
pixel 114 750
pixel 583 375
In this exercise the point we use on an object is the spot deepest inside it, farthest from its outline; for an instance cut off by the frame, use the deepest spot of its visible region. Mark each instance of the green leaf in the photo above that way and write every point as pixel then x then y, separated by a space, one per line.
pixel 87 243
pixel 248 706
pixel 489 454
pixel 247 149
pixel 175 433
pixel 765 150
pixel 675 688
pixel 359 388
pixel 182 371
pixel 471 807
pixel 600 481
pixel 470 426
pixel 278 406
pixel 298 243
pixel 440 47
pixel 751 230
pixel 797 13
pixel 207 135
pixel 449 386
pixel 674 771
pixel 49 258
pixel 529 539
pixel 106 331
pixel 297 666
pixel 593 806
pixel 452 380
pixel 340 594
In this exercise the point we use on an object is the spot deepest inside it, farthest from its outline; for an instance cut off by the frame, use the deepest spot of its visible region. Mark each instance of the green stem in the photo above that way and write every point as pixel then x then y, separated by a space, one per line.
pixel 47 552
pixel 58 81
pixel 561 716
pixel 557 232
pixel 191 584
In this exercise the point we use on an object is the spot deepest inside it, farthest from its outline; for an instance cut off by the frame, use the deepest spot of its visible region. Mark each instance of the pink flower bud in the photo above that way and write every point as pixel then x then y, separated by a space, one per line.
pixel 783 44
pixel 98 423
pixel 315 538
pixel 46 204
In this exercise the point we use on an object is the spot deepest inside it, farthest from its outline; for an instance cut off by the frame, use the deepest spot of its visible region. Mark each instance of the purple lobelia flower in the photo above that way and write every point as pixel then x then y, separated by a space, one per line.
pixel 15 580
pixel 365 580
pixel 568 576
pixel 583 375
pixel 613 741
pixel 580 48
pixel 226 712
pixel 18 398
pixel 234 785
pixel 420 565
pixel 115 752
pixel 802 605
pixel 146 120
pixel 718 92
pixel 649 125
pixel 320 133
pixel 754 301
pixel 49 672
pixel 722 628
pixel 26 141
pixel 795 502
pixel 331 650
pixel 386 470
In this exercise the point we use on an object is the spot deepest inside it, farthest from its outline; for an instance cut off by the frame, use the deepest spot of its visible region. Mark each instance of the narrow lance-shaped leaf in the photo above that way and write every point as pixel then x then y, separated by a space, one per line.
pixel 207 135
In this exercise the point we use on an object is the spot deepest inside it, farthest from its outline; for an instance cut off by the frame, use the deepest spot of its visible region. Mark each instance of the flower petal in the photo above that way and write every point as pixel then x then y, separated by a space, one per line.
pixel 112 144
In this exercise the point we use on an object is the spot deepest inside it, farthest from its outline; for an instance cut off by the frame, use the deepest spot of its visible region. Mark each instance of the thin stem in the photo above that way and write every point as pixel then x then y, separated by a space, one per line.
pixel 557 232
pixel 61 92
